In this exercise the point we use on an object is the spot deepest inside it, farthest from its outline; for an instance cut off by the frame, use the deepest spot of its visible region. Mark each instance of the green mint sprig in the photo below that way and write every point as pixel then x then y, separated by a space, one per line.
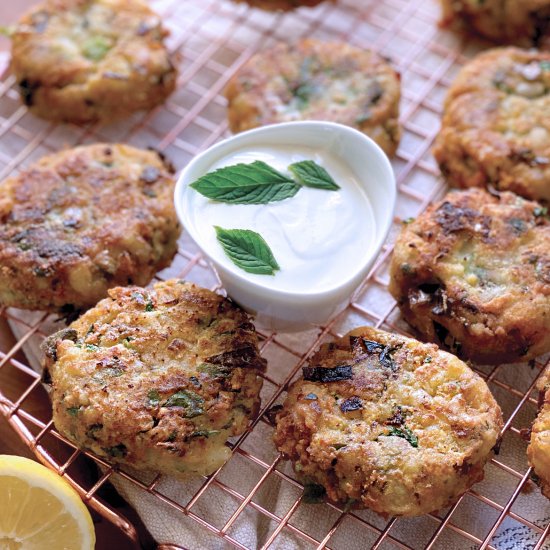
pixel 247 250
pixel 255 183
pixel 310 174
pixel 259 183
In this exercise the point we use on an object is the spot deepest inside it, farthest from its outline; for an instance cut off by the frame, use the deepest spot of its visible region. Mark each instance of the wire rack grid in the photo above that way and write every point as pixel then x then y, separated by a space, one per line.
pixel 210 40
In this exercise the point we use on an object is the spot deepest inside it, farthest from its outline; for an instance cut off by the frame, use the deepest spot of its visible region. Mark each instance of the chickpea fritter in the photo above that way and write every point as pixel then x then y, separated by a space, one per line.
pixel 496 129
pixel 157 379
pixel 388 423
pixel 280 5
pixel 473 273
pixel 91 60
pixel 522 22
pixel 538 450
pixel 82 221
pixel 314 80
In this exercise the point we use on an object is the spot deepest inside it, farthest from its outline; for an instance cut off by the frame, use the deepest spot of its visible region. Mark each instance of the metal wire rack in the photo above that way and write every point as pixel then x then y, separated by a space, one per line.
pixel 211 39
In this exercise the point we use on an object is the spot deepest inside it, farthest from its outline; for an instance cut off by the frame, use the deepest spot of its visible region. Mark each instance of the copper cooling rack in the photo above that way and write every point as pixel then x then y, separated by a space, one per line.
pixel 211 39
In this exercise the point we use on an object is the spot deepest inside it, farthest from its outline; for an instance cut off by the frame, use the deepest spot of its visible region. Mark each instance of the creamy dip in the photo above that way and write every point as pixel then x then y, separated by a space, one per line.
pixel 319 238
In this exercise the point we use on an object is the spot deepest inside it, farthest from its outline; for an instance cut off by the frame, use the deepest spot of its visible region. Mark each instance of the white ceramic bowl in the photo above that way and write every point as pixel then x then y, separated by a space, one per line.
pixel 282 310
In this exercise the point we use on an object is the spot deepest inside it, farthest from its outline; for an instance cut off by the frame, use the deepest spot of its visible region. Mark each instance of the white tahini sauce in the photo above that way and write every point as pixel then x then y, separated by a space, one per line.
pixel 319 238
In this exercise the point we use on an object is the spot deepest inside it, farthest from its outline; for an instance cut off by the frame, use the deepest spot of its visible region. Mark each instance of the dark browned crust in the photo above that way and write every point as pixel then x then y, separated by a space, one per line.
pixel 81 221
pixel 156 378
pixel 473 273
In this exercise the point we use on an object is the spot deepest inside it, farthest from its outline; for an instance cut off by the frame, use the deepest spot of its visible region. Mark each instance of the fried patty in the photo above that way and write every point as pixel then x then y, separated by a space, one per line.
pixel 89 60
pixel 473 273
pixel 280 5
pixel 156 378
pixel 385 422
pixel 314 80
pixel 538 450
pixel 82 221
pixel 496 128
pixel 522 22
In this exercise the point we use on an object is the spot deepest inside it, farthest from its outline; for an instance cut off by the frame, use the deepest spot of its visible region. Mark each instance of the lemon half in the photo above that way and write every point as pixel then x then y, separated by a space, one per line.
pixel 39 509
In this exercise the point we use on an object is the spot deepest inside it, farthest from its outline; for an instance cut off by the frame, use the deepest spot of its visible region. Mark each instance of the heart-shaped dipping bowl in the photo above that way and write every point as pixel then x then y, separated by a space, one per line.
pixel 308 292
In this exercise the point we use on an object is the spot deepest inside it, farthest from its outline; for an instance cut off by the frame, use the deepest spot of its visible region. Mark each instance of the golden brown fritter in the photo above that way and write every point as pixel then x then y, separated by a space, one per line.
pixel 386 422
pixel 82 221
pixel 539 446
pixel 88 60
pixel 280 5
pixel 473 273
pixel 157 379
pixel 496 128
pixel 314 80
pixel 522 22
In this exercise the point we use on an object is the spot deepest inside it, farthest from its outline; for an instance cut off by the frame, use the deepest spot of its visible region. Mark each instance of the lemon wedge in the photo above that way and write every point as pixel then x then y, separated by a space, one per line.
pixel 39 509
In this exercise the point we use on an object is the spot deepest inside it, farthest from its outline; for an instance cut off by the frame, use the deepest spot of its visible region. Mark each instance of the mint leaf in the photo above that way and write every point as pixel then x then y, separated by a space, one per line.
pixel 96 48
pixel 215 371
pixel 310 174
pixel 118 451
pixel 153 398
pixel 255 183
pixel 247 250
pixel 73 411
pixel 189 400
pixel 405 433
pixel 540 211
